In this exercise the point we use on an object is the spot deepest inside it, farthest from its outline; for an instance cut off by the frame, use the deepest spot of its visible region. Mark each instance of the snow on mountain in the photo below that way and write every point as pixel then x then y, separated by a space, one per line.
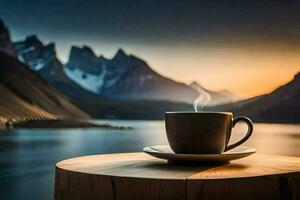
pixel 123 77
pixel 33 52
pixel 92 72
pixel 88 81
pixel 86 69
pixel 42 58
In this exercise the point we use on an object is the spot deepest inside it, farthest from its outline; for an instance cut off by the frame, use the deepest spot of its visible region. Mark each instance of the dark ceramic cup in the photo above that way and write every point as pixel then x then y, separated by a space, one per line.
pixel 202 132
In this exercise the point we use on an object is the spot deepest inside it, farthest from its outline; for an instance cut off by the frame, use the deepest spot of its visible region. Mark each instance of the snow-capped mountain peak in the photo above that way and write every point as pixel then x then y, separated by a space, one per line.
pixel 34 53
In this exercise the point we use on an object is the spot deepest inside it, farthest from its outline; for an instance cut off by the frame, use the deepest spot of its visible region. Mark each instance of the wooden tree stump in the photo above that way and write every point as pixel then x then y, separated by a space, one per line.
pixel 137 176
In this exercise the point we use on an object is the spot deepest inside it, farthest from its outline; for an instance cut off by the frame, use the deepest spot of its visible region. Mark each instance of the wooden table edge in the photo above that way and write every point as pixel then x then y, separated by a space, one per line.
pixel 59 166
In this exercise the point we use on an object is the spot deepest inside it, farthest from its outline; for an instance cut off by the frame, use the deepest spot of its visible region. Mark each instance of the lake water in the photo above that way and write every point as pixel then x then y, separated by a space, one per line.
pixel 28 157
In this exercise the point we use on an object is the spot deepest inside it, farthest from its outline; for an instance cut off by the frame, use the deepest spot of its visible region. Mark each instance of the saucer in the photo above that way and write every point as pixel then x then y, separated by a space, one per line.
pixel 166 153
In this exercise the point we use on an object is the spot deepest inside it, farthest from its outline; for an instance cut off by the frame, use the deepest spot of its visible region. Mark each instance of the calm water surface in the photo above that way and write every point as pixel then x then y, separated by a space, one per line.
pixel 28 157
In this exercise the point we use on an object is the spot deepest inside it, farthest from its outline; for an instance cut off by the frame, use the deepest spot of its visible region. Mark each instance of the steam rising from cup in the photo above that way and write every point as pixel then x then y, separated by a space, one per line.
pixel 202 100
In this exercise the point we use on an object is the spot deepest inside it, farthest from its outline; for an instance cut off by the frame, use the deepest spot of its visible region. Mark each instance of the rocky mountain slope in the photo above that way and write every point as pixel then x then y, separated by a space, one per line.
pixel 13 108
pixel 32 89
pixel 282 105
pixel 25 94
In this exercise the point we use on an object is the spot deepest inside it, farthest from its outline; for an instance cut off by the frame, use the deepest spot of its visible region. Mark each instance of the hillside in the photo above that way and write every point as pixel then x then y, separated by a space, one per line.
pixel 24 94
pixel 280 106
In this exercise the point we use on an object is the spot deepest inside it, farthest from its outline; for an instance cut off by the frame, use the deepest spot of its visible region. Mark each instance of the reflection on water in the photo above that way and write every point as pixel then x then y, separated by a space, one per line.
pixel 276 139
pixel 28 157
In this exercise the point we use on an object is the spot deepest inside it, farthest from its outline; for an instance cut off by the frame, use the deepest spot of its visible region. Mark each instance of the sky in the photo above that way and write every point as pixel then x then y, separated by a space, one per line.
pixel 249 47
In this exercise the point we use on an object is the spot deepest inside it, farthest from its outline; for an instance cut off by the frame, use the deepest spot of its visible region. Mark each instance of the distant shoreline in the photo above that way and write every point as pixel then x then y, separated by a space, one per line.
pixel 57 124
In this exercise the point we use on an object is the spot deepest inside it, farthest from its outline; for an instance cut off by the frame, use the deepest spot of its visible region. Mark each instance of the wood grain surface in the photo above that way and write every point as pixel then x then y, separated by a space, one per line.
pixel 140 176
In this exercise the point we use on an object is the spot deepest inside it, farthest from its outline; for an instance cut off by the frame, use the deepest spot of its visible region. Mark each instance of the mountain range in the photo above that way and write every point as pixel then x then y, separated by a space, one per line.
pixel 125 77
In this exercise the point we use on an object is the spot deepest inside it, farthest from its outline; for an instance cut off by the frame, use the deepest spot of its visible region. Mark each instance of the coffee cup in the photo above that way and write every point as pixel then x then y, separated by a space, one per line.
pixel 203 132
